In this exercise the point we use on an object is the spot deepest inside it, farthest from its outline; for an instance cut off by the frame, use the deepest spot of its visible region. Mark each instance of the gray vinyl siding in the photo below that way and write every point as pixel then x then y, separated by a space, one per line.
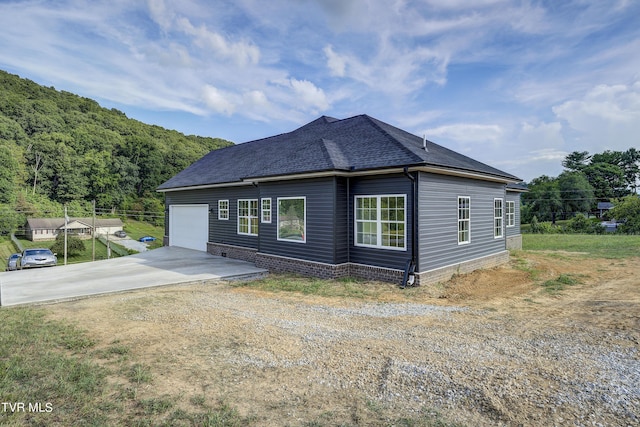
pixel 320 219
pixel 342 232
pixel 513 196
pixel 381 185
pixel 220 231
pixel 438 220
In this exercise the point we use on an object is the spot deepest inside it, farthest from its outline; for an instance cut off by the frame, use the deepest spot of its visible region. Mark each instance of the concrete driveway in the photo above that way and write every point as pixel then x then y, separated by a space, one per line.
pixel 162 266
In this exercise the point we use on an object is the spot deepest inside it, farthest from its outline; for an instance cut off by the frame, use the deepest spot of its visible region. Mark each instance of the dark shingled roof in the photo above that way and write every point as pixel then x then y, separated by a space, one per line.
pixel 326 144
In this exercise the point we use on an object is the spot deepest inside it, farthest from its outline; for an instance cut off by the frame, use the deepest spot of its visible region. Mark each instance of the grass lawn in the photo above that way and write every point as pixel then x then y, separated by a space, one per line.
pixel 56 372
pixel 6 249
pixel 137 229
pixel 601 246
pixel 134 229
pixel 86 256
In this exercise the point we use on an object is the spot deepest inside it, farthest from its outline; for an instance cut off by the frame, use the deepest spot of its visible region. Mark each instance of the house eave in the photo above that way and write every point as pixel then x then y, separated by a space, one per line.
pixel 465 174
pixel 337 172
pixel 204 186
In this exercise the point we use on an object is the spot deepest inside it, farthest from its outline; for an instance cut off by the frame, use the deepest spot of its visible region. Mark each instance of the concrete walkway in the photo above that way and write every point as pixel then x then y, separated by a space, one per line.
pixel 162 266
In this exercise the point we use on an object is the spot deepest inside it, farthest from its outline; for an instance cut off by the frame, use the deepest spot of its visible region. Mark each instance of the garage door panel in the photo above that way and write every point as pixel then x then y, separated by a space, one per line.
pixel 189 226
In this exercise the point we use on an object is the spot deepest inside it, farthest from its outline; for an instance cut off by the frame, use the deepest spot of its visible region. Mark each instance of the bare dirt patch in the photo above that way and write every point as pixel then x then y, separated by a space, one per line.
pixel 488 348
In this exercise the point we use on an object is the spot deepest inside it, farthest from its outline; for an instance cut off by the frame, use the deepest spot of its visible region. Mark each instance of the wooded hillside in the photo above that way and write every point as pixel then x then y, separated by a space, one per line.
pixel 59 148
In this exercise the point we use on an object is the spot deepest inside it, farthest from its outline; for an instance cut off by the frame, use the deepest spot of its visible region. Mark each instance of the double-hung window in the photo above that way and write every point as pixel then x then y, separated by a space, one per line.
pixel 265 210
pixel 497 218
pixel 380 221
pixel 223 209
pixel 248 217
pixel 464 220
pixel 511 213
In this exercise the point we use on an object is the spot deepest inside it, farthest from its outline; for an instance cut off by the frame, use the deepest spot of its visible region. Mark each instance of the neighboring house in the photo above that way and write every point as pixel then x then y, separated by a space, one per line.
pixel 48 228
pixel 353 197
pixel 604 207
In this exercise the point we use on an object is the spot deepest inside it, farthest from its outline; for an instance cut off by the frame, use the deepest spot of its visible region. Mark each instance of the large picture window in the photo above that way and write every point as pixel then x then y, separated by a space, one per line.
pixel 464 220
pixel 292 219
pixel 248 217
pixel 511 214
pixel 497 218
pixel 380 221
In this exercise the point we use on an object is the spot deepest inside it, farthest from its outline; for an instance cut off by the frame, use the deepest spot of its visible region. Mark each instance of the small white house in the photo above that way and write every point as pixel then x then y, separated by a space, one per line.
pixel 48 228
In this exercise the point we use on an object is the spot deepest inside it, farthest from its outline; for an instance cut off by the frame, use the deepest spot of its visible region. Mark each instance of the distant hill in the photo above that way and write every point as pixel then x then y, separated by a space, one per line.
pixel 59 148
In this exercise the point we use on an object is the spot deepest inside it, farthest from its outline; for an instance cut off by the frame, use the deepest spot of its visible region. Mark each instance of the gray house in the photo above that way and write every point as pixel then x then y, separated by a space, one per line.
pixel 353 197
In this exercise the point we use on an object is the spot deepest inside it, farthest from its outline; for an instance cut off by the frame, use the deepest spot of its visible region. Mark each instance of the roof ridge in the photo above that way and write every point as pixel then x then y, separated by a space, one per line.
pixel 334 154
pixel 376 122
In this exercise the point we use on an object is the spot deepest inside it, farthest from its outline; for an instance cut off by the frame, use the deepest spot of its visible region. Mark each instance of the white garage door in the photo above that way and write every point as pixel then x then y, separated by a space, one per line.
pixel 189 226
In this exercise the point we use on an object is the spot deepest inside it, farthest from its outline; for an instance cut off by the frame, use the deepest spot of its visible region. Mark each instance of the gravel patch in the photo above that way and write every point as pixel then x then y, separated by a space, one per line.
pixel 413 356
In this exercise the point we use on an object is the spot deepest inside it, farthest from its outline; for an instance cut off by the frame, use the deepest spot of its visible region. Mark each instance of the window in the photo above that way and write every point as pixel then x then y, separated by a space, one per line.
pixel 265 211
pixel 381 222
pixel 497 218
pixel 292 214
pixel 223 209
pixel 248 217
pixel 464 220
pixel 511 214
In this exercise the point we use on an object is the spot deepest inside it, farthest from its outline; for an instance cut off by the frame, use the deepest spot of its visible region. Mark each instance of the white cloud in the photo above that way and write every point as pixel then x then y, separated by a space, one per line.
pixel 606 117
pixel 307 96
pixel 217 100
pixel 335 62
pixel 467 132
pixel 241 52
pixel 159 13
pixel 541 135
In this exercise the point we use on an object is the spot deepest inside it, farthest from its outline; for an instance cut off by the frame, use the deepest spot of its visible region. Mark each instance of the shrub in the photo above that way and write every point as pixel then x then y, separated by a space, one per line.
pixel 75 246
pixel 584 225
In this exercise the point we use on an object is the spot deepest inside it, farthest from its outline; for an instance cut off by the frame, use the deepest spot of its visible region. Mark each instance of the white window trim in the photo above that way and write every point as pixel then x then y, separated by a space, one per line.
pixel 378 222
pixel 220 210
pixel 511 213
pixel 304 230
pixel 468 220
pixel 263 210
pixel 498 218
pixel 249 217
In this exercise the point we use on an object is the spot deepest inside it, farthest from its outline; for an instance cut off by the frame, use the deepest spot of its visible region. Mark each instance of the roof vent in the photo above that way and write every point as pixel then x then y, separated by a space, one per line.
pixel 424 142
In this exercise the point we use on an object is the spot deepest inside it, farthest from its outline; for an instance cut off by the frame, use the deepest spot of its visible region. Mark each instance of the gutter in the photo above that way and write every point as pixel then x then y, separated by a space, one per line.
pixel 409 278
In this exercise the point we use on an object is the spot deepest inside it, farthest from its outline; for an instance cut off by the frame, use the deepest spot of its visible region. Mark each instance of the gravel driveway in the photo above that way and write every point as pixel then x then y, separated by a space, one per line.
pixel 535 359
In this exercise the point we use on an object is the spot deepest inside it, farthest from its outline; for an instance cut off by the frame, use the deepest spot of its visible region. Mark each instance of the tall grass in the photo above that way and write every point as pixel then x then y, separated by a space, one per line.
pixel 612 246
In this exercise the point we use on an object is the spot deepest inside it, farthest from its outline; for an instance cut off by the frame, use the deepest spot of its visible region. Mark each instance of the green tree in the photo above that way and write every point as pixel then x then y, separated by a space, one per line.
pixel 543 199
pixel 576 193
pixel 8 174
pixel 607 180
pixel 68 149
pixel 75 245
pixel 627 212
pixel 576 161
pixel 631 167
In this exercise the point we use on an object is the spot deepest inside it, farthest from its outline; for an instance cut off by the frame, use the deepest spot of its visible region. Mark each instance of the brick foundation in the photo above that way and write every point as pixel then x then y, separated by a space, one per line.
pixel 280 264
pixel 231 251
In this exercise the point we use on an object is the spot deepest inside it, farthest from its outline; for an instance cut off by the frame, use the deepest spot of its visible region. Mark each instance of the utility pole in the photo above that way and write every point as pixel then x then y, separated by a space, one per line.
pixel 66 222
pixel 93 232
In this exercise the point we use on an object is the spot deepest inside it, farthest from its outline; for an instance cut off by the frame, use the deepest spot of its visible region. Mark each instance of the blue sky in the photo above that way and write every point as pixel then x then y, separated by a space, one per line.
pixel 515 84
